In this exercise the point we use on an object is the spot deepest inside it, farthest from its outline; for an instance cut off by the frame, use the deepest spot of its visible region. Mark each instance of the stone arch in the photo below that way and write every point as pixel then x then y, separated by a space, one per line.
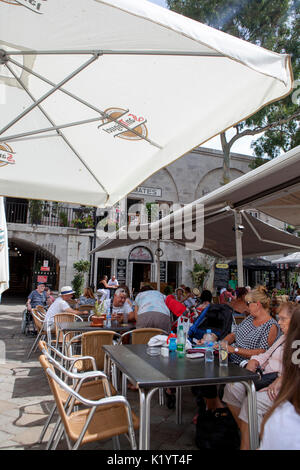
pixel 26 260
pixel 212 180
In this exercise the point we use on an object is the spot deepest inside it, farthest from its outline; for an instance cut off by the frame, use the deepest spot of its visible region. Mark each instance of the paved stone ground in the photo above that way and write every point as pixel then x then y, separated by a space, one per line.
pixel 25 398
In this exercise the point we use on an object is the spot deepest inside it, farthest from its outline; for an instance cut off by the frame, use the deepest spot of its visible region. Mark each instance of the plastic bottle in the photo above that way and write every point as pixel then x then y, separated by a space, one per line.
pixel 209 346
pixel 180 342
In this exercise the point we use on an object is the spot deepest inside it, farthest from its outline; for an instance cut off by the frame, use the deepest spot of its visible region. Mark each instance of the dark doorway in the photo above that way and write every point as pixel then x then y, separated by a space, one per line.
pixel 103 268
pixel 140 273
pixel 29 264
pixel 172 269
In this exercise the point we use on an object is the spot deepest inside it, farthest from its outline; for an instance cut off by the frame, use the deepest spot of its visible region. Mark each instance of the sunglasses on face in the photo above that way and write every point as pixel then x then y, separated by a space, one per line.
pixel 248 303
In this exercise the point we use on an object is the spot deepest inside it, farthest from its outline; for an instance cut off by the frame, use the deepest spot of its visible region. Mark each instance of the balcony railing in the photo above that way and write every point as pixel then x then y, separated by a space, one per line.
pixel 20 213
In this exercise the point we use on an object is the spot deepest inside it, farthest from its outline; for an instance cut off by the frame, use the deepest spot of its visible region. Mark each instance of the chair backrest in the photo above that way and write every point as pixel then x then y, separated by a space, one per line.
pixel 85 307
pixel 41 309
pixel 38 319
pixel 64 318
pixel 91 345
pixel 143 335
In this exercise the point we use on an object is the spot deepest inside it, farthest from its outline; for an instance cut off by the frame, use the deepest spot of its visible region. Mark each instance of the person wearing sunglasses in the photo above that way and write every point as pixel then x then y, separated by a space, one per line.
pixel 257 332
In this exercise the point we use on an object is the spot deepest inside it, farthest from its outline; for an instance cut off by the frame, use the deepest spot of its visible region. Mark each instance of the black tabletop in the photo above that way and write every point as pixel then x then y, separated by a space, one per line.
pixel 158 371
pixel 84 326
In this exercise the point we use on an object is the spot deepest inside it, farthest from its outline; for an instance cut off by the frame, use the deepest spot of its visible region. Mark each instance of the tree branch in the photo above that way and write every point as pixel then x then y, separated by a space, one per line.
pixel 258 130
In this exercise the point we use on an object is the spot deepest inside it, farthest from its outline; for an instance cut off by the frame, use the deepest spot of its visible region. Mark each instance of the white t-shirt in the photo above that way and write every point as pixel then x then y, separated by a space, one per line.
pixel 124 309
pixel 282 429
pixel 113 283
pixel 58 306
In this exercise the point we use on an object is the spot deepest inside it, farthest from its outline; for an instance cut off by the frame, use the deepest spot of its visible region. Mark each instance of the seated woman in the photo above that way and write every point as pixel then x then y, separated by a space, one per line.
pixel 104 289
pixel 88 297
pixel 280 429
pixel 269 361
pixel 239 304
pixel 151 310
pixel 253 336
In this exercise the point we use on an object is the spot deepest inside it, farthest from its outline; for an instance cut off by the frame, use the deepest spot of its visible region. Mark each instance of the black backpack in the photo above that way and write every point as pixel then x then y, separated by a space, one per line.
pixel 217 430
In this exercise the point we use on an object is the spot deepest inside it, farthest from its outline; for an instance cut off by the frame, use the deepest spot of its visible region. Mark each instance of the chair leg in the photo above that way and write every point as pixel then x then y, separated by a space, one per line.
pixel 46 425
pixel 116 443
pixel 124 385
pixel 35 343
pixel 161 396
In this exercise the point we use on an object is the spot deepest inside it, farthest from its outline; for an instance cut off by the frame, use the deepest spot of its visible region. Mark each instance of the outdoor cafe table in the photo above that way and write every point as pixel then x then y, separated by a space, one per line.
pixel 152 372
pixel 84 326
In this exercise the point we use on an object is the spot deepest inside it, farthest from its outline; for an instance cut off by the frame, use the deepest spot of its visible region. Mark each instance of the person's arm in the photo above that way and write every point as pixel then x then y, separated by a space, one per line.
pixel 131 316
pixel 247 353
pixel 272 335
pixel 229 338
pixel 136 308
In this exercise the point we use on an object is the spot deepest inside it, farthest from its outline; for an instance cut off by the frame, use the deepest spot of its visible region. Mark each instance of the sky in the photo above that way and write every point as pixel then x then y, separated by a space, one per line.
pixel 243 144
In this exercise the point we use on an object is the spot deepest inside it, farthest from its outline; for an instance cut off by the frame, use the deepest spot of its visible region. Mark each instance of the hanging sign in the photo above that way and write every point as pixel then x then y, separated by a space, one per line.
pixel 140 254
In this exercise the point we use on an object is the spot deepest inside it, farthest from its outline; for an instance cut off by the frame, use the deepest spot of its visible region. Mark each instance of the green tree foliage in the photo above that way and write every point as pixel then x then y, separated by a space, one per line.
pixel 275 25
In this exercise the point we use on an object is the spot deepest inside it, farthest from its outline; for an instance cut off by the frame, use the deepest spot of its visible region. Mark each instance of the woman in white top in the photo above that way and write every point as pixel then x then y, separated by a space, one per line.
pixel 269 361
pixel 280 428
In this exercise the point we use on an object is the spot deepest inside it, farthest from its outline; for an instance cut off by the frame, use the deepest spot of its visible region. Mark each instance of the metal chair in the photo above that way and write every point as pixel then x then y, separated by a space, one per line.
pixel 97 420
pixel 89 389
pixel 91 345
pixel 64 318
pixel 39 323
pixel 141 336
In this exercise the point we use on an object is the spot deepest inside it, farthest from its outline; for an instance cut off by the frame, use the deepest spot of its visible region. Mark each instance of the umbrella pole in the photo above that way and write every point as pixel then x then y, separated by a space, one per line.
pixel 158 265
pixel 238 228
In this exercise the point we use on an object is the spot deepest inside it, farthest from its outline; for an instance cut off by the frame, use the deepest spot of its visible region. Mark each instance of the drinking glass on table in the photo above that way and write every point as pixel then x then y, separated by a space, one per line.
pixel 223 353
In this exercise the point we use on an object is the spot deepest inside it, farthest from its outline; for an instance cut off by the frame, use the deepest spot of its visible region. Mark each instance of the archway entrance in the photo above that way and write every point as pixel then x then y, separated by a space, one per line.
pixel 28 264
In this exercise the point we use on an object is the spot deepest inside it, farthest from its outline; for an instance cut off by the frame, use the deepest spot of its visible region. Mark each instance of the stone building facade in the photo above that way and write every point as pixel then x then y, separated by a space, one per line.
pixel 58 247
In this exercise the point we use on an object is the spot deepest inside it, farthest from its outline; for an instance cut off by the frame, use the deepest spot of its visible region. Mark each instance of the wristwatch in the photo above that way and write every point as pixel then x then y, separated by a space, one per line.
pixel 236 350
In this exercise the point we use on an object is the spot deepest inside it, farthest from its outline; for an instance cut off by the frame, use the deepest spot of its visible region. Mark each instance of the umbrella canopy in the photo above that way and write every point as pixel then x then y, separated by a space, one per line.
pixel 273 188
pixel 293 258
pixel 99 95
pixel 4 266
pixel 217 240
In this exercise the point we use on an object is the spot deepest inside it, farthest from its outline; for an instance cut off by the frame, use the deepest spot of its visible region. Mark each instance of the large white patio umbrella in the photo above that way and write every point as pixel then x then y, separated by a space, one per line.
pixel 98 95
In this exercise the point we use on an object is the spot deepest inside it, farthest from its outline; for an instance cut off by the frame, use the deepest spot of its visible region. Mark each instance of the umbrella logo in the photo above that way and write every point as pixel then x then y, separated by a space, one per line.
pixel 124 124
pixel 6 155
pixel 33 5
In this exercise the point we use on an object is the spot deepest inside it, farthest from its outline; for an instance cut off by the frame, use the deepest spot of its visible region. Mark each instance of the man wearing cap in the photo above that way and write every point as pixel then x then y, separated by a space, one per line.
pixel 37 297
pixel 61 305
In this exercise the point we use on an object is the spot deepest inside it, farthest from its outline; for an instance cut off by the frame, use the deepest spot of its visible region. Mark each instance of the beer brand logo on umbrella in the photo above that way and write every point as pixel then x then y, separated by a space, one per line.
pixel 33 5
pixel 6 155
pixel 135 125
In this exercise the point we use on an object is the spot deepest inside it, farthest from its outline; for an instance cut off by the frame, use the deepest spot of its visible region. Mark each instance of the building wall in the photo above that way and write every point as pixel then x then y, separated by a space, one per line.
pixel 181 182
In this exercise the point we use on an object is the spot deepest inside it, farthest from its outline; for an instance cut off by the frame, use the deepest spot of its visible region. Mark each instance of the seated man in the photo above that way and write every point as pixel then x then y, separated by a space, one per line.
pixel 113 282
pixel 118 306
pixel 60 305
pixel 37 297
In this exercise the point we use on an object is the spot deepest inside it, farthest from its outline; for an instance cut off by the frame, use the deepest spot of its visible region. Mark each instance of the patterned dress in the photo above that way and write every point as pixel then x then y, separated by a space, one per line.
pixel 249 336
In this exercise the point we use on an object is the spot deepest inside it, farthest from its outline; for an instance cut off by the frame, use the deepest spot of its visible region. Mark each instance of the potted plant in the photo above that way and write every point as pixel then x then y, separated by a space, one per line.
pixel 99 314
pixel 81 267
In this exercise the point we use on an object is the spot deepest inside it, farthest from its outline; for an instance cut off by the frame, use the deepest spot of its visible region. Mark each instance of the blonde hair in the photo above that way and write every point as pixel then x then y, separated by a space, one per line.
pixel 259 294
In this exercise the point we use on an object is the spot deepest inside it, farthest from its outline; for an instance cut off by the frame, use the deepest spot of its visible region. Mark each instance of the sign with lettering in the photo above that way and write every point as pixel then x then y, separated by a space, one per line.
pixel 163 271
pixel 121 270
pixel 157 192
pixel 140 254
